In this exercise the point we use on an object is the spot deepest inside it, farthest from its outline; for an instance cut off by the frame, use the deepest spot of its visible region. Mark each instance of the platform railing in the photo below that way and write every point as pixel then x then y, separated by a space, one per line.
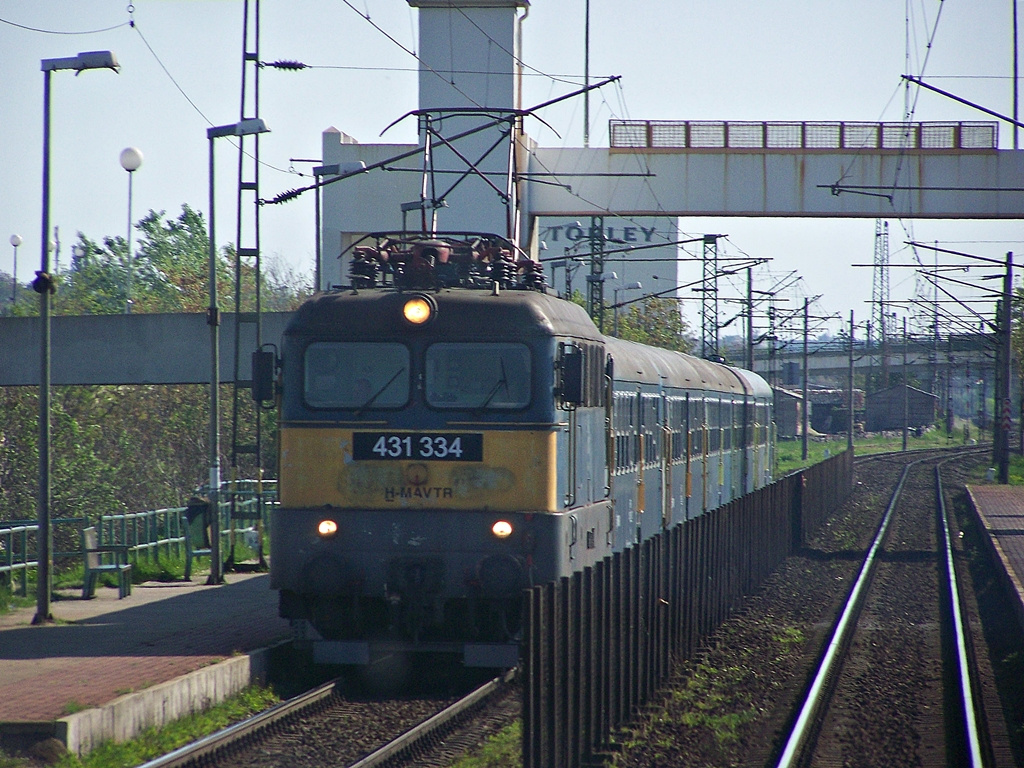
pixel 148 534
pixel 739 135
pixel 18 547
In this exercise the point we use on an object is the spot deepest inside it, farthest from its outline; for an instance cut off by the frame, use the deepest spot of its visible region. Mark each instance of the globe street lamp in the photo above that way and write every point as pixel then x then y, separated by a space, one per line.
pixel 44 286
pixel 15 241
pixel 131 159
pixel 244 128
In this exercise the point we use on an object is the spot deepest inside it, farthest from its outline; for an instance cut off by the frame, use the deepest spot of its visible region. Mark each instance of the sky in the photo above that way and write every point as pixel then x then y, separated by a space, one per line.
pixel 678 60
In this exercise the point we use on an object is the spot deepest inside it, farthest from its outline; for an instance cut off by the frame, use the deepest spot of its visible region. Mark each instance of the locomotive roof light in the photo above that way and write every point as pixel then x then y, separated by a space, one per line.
pixel 327 529
pixel 502 529
pixel 418 310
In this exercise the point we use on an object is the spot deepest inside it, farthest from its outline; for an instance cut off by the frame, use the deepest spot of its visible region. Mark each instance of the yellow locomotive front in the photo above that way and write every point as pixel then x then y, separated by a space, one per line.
pixel 419 475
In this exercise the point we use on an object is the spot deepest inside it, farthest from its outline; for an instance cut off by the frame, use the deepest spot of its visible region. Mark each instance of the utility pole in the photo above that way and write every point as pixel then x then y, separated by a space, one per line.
pixel 1002 436
pixel 806 408
pixel 750 318
pixel 595 280
pixel 906 388
pixel 852 421
pixel 586 75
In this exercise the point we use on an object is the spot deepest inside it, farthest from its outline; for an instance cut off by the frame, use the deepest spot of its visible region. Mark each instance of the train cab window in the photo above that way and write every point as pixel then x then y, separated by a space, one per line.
pixel 356 375
pixel 478 376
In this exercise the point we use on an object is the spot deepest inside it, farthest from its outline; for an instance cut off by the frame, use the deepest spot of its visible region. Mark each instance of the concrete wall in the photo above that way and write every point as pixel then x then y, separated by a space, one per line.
pixel 128 349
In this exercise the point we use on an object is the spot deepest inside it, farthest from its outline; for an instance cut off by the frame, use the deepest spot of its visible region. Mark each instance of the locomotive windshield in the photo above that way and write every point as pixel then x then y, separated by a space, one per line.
pixel 357 375
pixel 478 376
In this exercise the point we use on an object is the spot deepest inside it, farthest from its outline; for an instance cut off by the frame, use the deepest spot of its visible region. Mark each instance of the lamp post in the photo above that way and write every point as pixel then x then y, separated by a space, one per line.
pixel 131 160
pixel 243 128
pixel 15 241
pixel 44 286
pixel 634 286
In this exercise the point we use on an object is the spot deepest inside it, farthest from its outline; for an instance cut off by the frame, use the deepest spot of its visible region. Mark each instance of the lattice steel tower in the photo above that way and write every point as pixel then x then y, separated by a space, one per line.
pixel 709 299
pixel 246 424
pixel 880 296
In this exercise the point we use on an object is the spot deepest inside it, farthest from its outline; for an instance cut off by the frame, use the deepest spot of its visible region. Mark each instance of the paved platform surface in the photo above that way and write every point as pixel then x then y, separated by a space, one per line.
pixel 101 649
pixel 1001 511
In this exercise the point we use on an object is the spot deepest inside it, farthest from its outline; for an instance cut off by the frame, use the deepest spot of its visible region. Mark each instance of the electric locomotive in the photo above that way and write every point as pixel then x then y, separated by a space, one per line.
pixel 451 434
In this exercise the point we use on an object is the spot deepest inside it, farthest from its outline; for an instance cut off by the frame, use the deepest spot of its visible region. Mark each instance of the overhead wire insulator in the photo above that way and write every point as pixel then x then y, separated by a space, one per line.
pixel 294 66
pixel 284 197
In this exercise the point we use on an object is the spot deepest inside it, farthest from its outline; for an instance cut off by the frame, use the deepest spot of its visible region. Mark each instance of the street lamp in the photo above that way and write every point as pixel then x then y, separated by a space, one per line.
pixel 15 241
pixel 44 286
pixel 131 159
pixel 635 286
pixel 243 128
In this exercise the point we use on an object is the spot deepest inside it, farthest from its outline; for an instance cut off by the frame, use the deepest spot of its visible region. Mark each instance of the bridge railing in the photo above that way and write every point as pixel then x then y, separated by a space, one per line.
pixel 801 135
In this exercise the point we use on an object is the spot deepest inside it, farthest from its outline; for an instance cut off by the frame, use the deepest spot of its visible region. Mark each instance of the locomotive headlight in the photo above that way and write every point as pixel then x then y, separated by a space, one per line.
pixel 502 529
pixel 418 310
pixel 326 528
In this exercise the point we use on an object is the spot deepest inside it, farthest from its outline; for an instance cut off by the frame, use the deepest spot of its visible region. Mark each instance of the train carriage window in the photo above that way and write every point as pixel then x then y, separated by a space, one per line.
pixel 696 427
pixel 714 425
pixel 623 422
pixel 478 376
pixel 356 375
pixel 651 423
pixel 677 426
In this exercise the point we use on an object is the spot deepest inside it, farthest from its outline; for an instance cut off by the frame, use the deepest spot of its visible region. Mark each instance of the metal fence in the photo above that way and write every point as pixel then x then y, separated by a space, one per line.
pixel 148 534
pixel 18 547
pixel 801 135
pixel 598 644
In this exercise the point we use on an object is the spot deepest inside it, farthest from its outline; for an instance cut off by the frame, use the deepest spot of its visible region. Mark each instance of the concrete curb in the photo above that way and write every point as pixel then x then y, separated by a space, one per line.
pixel 996 552
pixel 127 716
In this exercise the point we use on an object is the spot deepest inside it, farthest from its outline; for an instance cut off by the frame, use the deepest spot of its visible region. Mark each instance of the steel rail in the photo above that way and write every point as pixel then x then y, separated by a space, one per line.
pixel 190 754
pixel 431 725
pixel 812 702
pixel 814 699
pixel 209 744
pixel 960 634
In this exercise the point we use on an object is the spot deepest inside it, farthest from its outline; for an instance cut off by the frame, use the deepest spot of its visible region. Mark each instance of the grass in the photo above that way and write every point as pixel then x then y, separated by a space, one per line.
pixel 503 750
pixel 789 453
pixel 153 742
pixel 11 600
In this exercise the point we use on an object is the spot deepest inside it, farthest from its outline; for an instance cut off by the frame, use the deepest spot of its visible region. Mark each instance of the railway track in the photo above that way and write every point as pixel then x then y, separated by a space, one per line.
pixel 325 727
pixel 895 683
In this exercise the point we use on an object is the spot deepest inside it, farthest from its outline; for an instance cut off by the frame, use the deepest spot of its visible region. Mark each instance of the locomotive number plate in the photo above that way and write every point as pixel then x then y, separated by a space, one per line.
pixel 421 446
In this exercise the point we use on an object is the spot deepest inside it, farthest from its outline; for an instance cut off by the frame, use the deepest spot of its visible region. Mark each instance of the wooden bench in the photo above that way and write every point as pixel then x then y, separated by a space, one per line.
pixel 95 565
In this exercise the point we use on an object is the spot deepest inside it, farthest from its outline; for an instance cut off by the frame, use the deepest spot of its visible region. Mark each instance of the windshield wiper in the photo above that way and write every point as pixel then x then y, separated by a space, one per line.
pixel 379 392
pixel 502 382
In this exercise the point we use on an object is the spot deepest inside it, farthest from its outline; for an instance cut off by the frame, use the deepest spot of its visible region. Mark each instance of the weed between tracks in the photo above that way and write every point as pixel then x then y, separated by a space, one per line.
pixel 503 750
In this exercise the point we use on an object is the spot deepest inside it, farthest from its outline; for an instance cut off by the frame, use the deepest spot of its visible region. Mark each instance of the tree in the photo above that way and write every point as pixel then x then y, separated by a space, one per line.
pixel 127 448
pixel 657 322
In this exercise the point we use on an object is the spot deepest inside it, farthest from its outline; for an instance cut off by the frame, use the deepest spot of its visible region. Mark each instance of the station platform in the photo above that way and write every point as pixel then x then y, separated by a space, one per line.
pixel 1000 509
pixel 108 668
